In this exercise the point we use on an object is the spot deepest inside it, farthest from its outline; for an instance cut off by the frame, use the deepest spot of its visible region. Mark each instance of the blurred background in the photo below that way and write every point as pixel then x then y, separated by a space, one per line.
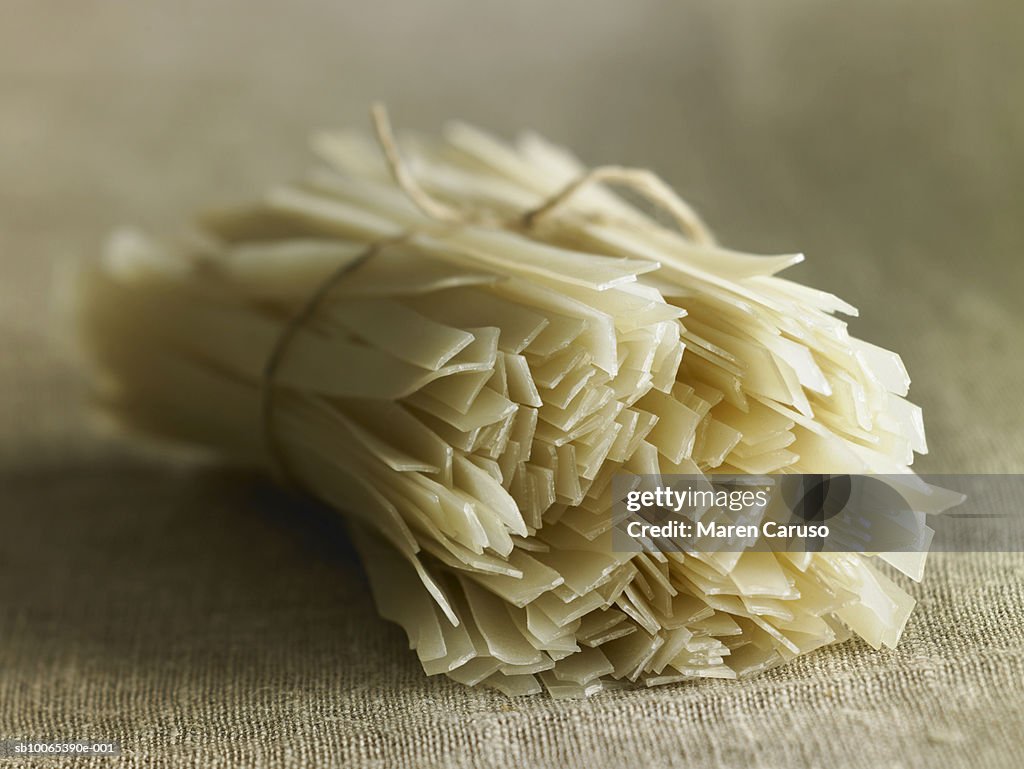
pixel 198 614
pixel 884 139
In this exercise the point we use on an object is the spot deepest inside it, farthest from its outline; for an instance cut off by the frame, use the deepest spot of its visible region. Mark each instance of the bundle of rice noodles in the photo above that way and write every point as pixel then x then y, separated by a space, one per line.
pixel 457 344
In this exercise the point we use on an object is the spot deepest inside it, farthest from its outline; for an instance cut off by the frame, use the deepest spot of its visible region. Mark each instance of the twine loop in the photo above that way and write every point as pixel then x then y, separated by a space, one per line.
pixel 641 181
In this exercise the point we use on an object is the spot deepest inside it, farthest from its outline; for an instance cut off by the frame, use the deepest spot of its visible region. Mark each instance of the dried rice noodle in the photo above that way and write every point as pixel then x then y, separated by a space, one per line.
pixel 465 396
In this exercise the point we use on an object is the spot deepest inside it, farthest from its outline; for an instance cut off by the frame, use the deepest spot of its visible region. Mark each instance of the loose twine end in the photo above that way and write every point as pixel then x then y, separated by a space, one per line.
pixel 428 204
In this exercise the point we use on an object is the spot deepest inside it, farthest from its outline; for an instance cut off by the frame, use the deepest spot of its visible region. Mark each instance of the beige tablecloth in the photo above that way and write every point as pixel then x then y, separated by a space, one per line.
pixel 202 618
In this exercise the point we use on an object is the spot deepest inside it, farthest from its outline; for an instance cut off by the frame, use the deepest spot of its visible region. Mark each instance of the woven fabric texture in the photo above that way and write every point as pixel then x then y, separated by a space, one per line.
pixel 204 618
